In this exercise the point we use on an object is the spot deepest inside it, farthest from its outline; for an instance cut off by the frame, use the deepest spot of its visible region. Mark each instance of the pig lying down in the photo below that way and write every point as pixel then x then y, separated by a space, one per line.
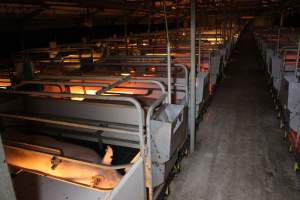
pixel 67 170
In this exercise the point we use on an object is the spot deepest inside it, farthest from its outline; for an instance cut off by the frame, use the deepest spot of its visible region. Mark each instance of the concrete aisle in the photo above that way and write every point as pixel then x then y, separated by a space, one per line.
pixel 240 152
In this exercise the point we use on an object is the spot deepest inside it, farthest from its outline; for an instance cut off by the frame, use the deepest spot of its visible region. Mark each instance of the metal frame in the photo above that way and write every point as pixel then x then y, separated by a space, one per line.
pixel 144 149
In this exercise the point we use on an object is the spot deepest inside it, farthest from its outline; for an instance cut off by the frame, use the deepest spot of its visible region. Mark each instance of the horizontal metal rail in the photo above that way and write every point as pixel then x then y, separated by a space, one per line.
pixel 65 123
pixel 60 83
pixel 82 78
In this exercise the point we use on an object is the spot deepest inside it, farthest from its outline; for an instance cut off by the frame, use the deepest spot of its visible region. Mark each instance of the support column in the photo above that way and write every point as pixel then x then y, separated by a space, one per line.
pixel 193 78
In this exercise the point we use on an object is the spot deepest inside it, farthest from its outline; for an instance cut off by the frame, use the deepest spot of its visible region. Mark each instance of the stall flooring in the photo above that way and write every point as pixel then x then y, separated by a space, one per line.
pixel 240 151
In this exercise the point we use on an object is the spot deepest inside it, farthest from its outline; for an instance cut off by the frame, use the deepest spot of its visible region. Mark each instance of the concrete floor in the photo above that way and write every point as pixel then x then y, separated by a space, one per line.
pixel 240 152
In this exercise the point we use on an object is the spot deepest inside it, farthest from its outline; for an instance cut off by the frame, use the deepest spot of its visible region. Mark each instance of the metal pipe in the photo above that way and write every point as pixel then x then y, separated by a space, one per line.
pixel 125 32
pixel 65 123
pixel 278 34
pixel 193 77
pixel 160 85
pixel 297 60
pixel 169 73
pixel 61 83
pixel 51 77
pixel 168 54
pixel 115 84
pixel 199 53
pixel 296 74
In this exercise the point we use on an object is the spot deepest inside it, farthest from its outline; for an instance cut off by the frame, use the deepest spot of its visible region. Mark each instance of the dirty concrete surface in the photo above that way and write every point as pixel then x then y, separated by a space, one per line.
pixel 240 153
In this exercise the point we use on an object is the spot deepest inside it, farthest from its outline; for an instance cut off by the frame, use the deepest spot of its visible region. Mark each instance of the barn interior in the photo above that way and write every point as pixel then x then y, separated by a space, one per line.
pixel 149 99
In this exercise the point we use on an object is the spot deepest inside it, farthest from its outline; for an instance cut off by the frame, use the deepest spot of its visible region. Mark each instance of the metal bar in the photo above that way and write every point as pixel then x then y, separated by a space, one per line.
pixel 61 83
pixel 125 31
pixel 65 123
pixel 115 84
pixel 161 86
pixel 199 53
pixel 193 77
pixel 296 74
pixel 297 60
pixel 33 147
pixel 169 73
pixel 168 54
pixel 149 29
pixel 278 34
pixel 50 77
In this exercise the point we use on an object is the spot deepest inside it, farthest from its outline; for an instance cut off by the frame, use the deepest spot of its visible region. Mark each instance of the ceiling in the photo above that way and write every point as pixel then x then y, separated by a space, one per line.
pixel 43 14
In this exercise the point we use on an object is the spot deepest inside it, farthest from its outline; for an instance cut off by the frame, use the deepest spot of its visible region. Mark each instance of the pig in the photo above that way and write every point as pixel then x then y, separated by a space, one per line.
pixel 71 171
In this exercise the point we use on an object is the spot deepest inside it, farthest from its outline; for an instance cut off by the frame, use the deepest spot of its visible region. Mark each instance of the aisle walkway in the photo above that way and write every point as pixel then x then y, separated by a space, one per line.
pixel 240 152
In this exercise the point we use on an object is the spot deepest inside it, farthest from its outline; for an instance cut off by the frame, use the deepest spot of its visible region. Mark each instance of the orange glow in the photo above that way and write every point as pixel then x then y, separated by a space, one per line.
pixel 77 90
pixel 91 90
pixel 247 17
pixel 65 169
pixel 4 83
pixel 213 39
pixel 52 88
pixel 121 91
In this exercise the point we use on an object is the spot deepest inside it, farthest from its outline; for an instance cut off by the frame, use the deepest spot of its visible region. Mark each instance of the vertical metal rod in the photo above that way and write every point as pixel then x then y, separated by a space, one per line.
pixel 230 28
pixel 193 77
pixel 168 55
pixel 296 74
pixel 297 59
pixel 149 29
pixel 278 34
pixel 199 52
pixel 216 31
pixel 126 34
pixel 169 73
